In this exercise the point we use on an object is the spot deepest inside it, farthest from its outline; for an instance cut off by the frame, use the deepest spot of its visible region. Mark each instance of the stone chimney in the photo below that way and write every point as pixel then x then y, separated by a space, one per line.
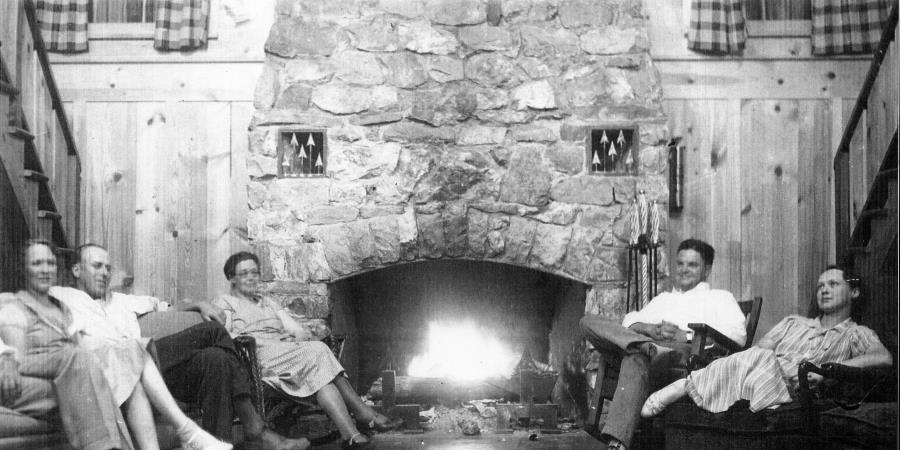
pixel 453 129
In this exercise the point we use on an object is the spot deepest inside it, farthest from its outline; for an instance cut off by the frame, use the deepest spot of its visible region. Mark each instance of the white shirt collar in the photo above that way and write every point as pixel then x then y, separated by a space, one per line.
pixel 700 287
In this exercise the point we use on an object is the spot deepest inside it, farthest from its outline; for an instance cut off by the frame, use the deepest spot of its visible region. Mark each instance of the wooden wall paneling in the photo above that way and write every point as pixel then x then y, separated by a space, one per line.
pixel 769 132
pixel 219 190
pixel 815 212
pixel 711 197
pixel 150 239
pixel 241 113
pixel 9 32
pixel 109 179
pixel 859 186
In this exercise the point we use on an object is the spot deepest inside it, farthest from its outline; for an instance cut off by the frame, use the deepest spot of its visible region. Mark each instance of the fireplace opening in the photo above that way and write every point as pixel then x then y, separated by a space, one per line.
pixel 457 320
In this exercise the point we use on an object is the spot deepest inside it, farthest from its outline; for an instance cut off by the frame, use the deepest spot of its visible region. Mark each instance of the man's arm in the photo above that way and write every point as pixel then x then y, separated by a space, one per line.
pixel 653 331
pixel 207 310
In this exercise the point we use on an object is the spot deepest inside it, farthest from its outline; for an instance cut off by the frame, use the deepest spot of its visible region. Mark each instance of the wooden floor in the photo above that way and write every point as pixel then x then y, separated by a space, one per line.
pixel 456 441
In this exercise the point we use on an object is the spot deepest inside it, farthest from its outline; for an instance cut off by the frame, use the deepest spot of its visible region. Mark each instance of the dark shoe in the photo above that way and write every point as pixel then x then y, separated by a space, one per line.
pixel 352 443
pixel 381 424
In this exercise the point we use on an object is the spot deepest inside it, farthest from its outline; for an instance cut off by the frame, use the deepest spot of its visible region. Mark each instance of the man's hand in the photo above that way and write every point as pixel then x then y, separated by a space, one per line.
pixel 10 387
pixel 814 380
pixel 653 331
pixel 210 312
pixel 672 332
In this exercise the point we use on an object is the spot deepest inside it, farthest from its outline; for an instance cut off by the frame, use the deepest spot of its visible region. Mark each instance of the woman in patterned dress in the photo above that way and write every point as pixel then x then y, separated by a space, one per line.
pixel 50 342
pixel 766 374
pixel 291 363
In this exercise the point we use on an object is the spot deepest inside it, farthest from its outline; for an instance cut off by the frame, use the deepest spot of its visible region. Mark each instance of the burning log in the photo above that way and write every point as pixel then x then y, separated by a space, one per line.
pixel 409 389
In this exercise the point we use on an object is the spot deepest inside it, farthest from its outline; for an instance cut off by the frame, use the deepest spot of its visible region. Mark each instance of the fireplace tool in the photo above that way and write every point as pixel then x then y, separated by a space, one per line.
pixel 643 255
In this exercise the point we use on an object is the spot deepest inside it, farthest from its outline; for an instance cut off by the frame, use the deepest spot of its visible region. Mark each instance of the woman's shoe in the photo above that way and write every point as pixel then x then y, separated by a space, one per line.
pixel 382 423
pixel 352 443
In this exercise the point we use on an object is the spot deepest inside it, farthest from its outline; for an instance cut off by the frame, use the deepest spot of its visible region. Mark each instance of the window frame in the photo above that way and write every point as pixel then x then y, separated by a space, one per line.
pixel 115 31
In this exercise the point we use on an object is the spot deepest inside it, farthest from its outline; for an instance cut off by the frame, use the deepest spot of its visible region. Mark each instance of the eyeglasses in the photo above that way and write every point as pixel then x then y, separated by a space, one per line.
pixel 247 273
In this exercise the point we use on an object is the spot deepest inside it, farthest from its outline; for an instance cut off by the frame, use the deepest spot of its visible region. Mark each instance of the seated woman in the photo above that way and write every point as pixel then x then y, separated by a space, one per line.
pixel 291 363
pixel 91 381
pixel 766 374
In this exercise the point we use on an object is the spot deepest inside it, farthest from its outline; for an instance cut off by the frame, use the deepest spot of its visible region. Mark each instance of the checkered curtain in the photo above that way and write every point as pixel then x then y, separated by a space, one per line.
pixel 181 24
pixel 717 26
pixel 63 24
pixel 847 26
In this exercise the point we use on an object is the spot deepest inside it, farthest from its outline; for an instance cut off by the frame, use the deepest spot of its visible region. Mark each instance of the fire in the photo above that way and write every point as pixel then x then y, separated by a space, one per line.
pixel 463 352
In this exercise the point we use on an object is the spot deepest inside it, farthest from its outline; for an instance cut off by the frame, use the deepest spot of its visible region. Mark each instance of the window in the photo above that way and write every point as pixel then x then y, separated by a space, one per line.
pixel 131 19
pixel 778 18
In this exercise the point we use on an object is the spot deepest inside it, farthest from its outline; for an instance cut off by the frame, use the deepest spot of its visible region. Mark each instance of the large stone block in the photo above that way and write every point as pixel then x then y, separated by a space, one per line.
pixel 393 236
pixel 324 215
pixel 534 95
pixel 558 213
pixel 487 38
pixel 419 36
pixel 266 87
pixel 340 98
pixel 357 67
pixel 446 106
pixel 404 8
pixel 545 43
pixel 567 158
pixel 291 36
pixel 487 98
pixel 607 300
pixel 476 232
pixel 480 135
pixel 584 91
pixel 455 229
pixel 444 69
pixel 519 239
pixel 295 96
pixel 550 244
pixel 585 13
pixel 493 70
pixel 608 40
pixel 431 235
pixel 580 253
pixel 528 180
pixel 404 70
pixel 448 180
pixel 456 12
pixel 417 132
pixel 532 133
pixel 362 160
pixel 306 70
pixel 377 34
pixel 587 189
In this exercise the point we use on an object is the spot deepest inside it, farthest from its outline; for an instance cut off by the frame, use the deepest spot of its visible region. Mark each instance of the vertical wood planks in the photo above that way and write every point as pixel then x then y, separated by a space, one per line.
pixel 711 211
pixel 149 236
pixel 219 190
pixel 769 133
pixel 815 212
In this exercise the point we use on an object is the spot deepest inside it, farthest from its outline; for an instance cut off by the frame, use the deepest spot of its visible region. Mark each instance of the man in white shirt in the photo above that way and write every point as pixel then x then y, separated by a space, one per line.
pixel 644 338
pixel 198 364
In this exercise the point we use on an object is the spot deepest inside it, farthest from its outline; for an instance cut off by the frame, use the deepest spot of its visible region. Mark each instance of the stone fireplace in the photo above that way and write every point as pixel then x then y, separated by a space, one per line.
pixel 456 137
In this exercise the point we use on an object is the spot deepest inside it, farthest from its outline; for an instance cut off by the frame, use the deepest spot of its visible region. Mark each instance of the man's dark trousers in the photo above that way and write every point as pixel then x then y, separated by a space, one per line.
pixel 635 372
pixel 200 365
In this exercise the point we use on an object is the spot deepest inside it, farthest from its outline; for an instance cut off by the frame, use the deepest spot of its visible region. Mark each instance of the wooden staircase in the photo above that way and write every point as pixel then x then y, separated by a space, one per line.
pixel 866 231
pixel 40 171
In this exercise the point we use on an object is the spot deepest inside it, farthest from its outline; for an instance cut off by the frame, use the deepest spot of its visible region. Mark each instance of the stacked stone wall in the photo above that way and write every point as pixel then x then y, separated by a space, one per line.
pixel 456 129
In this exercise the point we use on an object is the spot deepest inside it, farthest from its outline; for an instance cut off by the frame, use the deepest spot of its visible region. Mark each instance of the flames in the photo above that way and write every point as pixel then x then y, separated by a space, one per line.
pixel 461 351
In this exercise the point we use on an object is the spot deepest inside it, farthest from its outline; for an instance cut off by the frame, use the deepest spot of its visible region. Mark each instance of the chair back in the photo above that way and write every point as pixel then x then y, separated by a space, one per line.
pixel 751 309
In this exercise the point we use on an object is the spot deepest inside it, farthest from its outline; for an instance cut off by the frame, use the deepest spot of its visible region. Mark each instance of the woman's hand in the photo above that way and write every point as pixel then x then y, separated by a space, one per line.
pixel 10 386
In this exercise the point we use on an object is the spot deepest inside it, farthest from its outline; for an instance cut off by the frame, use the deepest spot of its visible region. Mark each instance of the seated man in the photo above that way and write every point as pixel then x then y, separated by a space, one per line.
pixel 766 374
pixel 652 340
pixel 198 364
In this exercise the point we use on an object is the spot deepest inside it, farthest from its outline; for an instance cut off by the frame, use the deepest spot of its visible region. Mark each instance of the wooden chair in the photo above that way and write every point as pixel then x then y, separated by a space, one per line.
pixel 707 345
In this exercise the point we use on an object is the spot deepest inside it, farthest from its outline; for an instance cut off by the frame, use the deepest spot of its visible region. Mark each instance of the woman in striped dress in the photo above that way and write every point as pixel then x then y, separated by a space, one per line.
pixel 766 374
pixel 291 363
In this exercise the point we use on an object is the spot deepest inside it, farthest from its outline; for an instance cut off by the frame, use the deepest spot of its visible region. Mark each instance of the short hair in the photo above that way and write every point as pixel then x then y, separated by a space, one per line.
pixel 705 250
pixel 847 273
pixel 31 243
pixel 235 259
pixel 79 251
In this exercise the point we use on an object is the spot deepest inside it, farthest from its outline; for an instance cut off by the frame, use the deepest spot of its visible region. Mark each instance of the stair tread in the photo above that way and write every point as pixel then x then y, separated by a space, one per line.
pixel 20 133
pixel 8 88
pixel 34 175
pixel 45 214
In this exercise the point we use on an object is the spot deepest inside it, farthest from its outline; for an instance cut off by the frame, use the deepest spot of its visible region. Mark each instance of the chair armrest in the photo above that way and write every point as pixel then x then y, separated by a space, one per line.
pixel 704 336
pixel 246 349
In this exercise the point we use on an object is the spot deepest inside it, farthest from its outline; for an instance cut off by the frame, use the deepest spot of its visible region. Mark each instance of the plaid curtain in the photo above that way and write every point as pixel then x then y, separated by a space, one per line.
pixel 63 24
pixel 181 24
pixel 847 26
pixel 717 26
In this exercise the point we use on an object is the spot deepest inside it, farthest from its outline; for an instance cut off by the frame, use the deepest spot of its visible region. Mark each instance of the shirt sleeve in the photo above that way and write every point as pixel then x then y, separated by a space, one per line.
pixel 728 319
pixel 863 340
pixel 229 312
pixel 649 314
